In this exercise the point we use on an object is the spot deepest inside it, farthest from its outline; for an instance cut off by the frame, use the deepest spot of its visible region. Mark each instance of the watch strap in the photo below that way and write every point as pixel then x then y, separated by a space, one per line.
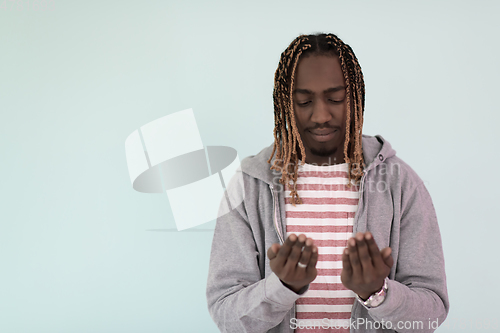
pixel 376 298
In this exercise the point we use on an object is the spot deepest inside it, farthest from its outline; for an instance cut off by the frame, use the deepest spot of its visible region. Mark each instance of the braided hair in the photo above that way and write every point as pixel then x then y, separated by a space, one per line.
pixel 286 135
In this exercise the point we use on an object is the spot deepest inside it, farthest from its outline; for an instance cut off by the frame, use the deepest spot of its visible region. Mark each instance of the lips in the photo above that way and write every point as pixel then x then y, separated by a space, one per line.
pixel 323 135
pixel 322 132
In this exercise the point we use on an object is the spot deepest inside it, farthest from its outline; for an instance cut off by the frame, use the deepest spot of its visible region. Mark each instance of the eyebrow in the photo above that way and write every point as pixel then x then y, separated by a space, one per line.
pixel 309 92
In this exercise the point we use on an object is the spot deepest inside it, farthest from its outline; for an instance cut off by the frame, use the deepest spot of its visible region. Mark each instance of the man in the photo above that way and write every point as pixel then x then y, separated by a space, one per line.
pixel 319 191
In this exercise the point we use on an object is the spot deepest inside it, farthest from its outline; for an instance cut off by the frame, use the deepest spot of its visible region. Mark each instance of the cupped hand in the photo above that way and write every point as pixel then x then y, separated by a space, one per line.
pixel 364 266
pixel 285 259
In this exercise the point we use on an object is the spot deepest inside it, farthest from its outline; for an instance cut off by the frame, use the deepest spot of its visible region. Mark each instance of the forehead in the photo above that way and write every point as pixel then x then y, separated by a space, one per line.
pixel 319 72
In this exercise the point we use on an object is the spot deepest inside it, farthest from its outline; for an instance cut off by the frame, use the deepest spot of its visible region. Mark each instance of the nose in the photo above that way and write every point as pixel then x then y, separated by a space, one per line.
pixel 320 113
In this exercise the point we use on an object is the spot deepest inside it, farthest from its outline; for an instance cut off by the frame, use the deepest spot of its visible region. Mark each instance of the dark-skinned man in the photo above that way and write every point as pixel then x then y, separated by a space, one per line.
pixel 301 252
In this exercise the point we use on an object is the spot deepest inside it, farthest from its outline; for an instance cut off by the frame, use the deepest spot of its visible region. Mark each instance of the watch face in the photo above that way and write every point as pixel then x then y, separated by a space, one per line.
pixel 376 300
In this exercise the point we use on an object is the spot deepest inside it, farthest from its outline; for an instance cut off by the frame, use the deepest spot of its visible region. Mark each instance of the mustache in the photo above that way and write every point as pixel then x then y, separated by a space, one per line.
pixel 322 127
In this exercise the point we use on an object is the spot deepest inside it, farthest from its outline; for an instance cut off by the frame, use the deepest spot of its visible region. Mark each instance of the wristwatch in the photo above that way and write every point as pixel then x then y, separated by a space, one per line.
pixel 375 299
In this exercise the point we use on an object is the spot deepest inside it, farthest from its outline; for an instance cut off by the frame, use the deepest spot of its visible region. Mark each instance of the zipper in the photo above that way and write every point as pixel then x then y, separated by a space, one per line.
pixel 362 182
pixel 360 198
pixel 280 237
pixel 275 219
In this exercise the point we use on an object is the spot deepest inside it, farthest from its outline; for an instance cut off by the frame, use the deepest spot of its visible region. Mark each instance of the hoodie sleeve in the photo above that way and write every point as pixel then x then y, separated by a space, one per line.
pixel 239 298
pixel 418 292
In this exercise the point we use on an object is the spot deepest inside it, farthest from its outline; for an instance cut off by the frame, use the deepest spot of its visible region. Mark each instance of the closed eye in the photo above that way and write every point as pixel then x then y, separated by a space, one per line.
pixel 303 104
pixel 330 100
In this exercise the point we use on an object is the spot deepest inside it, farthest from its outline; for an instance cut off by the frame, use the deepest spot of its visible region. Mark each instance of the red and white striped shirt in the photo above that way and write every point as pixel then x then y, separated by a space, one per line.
pixel 326 215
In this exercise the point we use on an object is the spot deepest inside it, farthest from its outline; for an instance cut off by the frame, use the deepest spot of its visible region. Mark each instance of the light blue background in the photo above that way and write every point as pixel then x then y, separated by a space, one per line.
pixel 77 253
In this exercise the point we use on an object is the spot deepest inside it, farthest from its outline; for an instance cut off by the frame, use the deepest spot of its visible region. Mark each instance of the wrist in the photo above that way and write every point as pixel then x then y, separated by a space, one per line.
pixel 364 295
pixel 375 299
pixel 295 289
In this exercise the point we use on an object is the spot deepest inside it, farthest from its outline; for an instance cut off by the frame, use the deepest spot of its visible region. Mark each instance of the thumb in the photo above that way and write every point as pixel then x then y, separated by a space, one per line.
pixel 273 251
pixel 386 256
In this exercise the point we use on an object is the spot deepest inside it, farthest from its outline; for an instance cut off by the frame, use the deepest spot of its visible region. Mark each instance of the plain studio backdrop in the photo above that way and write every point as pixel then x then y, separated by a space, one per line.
pixel 82 251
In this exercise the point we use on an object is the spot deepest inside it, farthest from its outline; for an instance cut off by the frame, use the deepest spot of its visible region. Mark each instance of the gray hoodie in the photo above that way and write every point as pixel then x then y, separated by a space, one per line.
pixel 243 293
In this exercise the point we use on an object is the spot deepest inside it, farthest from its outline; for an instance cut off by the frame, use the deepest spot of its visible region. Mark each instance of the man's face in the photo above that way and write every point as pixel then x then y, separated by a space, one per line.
pixel 320 104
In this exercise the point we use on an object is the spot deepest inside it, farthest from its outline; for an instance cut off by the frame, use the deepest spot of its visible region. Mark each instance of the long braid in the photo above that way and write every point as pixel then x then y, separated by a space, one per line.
pixel 286 135
pixel 359 105
pixel 296 136
pixel 347 80
pixel 351 70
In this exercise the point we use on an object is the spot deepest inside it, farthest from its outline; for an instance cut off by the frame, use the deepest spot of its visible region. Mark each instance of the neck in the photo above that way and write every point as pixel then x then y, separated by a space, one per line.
pixel 336 157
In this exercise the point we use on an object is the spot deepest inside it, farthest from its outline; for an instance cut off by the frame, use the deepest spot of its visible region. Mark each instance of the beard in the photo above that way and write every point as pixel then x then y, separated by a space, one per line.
pixel 323 152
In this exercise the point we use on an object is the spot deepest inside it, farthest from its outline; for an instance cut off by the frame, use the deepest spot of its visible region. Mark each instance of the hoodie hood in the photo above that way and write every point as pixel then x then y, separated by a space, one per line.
pixel 375 151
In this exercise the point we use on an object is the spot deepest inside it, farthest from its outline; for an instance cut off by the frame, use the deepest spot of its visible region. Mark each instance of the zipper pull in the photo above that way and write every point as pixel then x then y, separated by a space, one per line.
pixel 275 219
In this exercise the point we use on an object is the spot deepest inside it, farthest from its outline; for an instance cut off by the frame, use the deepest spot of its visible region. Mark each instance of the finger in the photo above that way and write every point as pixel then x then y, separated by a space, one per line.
pixel 294 256
pixel 313 260
pixel 346 263
pixel 364 255
pixel 387 257
pixel 285 249
pixel 378 262
pixel 273 250
pixel 354 258
pixel 306 253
